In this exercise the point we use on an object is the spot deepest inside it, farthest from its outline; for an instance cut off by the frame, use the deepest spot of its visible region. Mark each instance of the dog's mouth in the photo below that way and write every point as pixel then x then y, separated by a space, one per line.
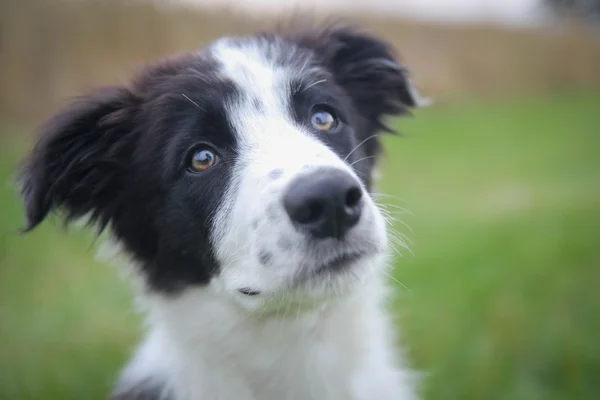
pixel 334 265
pixel 337 264
pixel 249 291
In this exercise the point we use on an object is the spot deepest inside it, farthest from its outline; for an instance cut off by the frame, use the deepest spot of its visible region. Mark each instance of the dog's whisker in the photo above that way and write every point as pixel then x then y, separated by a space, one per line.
pixel 379 195
pixel 282 320
pixel 398 242
pixel 313 84
pixel 360 144
pixel 397 208
pixel 303 68
pixel 397 281
pixel 405 239
pixel 361 159
pixel 193 102
pixel 394 217
pixel 264 307
pixel 404 224
pixel 388 218
pixel 287 309
pixel 298 311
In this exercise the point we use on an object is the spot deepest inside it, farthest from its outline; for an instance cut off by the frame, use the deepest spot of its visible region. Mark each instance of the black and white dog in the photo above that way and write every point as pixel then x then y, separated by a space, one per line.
pixel 237 181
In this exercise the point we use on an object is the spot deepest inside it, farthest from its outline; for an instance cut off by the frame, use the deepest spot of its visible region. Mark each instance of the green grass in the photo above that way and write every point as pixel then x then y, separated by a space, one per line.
pixel 502 299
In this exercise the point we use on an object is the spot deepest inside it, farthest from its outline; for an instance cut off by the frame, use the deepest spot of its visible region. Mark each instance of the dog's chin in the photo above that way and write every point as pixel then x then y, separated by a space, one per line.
pixel 337 278
pixel 317 273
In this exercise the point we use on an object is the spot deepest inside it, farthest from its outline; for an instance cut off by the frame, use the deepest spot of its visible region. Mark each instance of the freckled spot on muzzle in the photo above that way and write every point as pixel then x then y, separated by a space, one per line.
pixel 257 104
pixel 265 257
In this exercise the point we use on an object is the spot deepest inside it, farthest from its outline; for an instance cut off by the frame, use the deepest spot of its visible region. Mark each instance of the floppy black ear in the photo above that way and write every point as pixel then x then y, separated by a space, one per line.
pixel 368 69
pixel 77 162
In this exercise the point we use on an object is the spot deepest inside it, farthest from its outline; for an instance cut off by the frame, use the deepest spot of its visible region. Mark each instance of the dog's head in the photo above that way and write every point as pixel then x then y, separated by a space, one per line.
pixel 245 167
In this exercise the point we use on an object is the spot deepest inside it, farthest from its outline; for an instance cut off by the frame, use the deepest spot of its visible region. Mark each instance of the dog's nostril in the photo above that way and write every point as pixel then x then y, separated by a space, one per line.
pixel 314 210
pixel 307 212
pixel 353 197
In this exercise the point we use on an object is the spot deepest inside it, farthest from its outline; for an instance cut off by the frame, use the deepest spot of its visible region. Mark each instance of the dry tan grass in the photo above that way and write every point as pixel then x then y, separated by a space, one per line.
pixel 53 49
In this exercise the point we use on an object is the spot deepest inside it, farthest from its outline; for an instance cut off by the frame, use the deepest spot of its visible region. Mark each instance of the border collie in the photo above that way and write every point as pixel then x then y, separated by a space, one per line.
pixel 237 182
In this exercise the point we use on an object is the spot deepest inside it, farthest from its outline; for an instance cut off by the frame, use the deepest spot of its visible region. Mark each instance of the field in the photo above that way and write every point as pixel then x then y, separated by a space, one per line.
pixel 499 297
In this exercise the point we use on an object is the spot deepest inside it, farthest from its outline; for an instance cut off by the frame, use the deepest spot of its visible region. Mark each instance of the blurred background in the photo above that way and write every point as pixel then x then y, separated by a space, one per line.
pixel 496 188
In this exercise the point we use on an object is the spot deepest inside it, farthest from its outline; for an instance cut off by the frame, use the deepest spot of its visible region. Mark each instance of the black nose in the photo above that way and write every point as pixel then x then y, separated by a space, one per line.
pixel 326 202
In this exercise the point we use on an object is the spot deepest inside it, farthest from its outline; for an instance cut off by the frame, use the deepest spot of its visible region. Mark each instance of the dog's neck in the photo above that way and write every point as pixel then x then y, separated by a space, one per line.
pixel 202 343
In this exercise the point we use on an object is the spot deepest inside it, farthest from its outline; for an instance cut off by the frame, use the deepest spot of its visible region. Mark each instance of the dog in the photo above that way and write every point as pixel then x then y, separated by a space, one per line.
pixel 237 181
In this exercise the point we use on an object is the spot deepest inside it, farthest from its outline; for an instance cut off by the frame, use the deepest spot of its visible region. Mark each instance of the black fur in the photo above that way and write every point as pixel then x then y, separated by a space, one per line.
pixel 119 154
pixel 77 162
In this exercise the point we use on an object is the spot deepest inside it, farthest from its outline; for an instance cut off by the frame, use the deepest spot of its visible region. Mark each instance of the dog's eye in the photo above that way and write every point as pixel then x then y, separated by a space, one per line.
pixel 323 121
pixel 202 159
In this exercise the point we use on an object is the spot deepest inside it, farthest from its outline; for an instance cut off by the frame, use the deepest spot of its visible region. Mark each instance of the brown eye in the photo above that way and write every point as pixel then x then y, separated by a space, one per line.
pixel 323 121
pixel 202 160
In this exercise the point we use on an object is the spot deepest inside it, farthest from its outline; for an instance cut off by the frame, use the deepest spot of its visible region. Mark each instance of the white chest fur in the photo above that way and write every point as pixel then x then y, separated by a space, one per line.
pixel 201 347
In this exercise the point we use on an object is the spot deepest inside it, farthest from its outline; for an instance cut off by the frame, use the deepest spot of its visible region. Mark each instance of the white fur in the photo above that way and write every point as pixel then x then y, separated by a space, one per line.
pixel 206 347
pixel 324 340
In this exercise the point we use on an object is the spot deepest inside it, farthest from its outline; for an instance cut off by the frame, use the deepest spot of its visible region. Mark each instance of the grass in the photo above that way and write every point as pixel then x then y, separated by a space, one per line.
pixel 502 296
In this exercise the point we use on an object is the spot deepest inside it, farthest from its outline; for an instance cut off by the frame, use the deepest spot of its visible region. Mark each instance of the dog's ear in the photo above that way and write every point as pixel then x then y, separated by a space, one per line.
pixel 368 69
pixel 77 163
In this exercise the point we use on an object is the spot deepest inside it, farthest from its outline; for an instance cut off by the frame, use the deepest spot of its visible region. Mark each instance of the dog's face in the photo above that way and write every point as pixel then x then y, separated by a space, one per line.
pixel 245 167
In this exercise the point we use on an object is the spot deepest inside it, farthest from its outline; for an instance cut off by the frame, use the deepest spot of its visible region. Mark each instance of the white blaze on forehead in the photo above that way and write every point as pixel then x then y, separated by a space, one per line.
pixel 257 76
pixel 266 74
